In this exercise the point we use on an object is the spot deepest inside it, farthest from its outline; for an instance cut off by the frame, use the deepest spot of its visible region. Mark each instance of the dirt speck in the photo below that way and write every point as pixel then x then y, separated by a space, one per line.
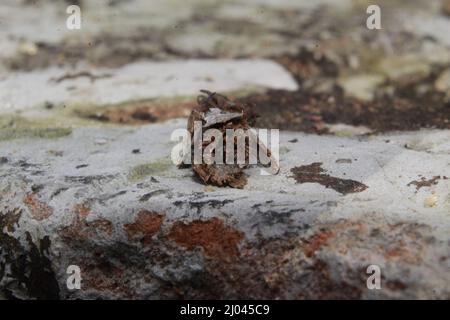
pixel 82 209
pixel 423 182
pixel 217 239
pixel 39 210
pixel 102 225
pixel 146 225
pixel 10 219
pixel 314 173
pixel 344 161
pixel 313 243
pixel 86 74
pixel 395 285
pixel 141 112
pixel 80 229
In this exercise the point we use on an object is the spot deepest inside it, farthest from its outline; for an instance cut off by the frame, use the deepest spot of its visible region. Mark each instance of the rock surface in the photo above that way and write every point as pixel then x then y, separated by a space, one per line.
pixel 139 227
pixel 86 177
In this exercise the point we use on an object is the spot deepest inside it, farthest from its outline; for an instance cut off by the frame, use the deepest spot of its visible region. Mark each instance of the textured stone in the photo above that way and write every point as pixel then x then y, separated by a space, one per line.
pixel 85 171
pixel 141 237
pixel 140 80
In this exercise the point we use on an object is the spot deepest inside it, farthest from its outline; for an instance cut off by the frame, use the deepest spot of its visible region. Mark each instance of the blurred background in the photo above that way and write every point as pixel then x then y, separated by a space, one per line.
pixel 396 78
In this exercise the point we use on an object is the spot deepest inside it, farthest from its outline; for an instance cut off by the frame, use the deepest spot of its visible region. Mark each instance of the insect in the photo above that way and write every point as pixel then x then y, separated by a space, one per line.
pixel 217 112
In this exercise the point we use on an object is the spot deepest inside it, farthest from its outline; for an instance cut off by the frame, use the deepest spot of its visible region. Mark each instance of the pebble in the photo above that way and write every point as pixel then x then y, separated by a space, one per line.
pixel 430 201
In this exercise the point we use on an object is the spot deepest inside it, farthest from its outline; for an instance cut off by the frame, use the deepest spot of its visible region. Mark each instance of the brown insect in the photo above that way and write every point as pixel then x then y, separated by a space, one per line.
pixel 218 112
